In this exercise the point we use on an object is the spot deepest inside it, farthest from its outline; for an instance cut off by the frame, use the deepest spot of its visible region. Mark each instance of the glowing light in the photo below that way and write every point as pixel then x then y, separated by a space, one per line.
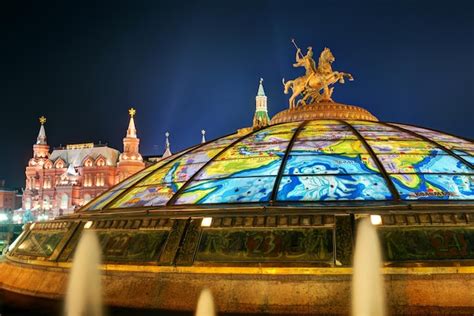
pixel 206 222
pixel 3 217
pixel 88 224
pixel 80 146
pixel 376 219
pixel 43 217
pixel 17 218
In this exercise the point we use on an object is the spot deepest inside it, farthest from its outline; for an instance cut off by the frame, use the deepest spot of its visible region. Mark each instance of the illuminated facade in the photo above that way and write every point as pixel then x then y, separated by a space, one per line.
pixel 60 181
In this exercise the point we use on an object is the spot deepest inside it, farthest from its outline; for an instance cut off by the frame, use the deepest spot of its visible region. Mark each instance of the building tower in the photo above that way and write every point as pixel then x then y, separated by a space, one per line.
pixel 130 161
pixel 35 170
pixel 41 148
pixel 261 118
pixel 167 152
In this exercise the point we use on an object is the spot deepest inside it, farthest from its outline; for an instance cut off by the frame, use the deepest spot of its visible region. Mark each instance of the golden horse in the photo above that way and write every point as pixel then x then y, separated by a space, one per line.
pixel 310 85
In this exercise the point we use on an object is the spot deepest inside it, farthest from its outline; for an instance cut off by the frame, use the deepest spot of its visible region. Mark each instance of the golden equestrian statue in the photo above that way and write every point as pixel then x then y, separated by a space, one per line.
pixel 313 86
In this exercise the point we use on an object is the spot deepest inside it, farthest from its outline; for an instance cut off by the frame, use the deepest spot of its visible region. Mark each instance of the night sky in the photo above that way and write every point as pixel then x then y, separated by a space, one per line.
pixel 189 65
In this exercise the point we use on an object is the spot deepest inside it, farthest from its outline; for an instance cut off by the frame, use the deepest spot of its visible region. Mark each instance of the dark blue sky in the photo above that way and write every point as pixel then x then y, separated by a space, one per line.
pixel 189 65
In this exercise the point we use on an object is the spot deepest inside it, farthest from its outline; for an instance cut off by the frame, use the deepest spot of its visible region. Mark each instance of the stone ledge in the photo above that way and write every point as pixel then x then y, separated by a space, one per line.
pixel 178 288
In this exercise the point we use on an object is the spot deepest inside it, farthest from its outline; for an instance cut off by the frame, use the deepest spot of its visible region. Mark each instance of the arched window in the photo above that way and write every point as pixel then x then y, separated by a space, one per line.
pixel 48 164
pixel 64 201
pixel 88 162
pixel 100 162
pixel 60 164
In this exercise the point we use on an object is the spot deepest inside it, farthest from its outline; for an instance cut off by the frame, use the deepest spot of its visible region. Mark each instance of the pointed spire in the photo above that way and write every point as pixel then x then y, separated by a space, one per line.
pixel 132 131
pixel 41 139
pixel 203 140
pixel 261 92
pixel 261 119
pixel 167 152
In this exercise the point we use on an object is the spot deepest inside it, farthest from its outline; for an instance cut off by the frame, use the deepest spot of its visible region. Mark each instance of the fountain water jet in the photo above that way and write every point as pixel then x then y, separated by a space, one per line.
pixel 84 292
pixel 368 295
pixel 205 306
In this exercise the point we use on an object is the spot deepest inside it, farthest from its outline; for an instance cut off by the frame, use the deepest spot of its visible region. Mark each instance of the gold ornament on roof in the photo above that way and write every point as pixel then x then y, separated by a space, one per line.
pixel 313 86
pixel 132 112
pixel 42 120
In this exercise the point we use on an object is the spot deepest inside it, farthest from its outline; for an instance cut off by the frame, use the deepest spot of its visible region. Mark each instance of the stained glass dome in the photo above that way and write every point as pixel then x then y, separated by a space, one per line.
pixel 307 162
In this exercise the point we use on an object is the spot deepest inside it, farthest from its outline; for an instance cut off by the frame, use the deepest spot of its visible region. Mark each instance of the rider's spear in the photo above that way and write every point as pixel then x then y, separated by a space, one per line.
pixel 297 48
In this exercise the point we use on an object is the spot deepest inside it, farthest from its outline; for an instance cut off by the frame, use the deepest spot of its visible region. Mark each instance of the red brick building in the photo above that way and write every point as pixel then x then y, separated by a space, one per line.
pixel 10 200
pixel 61 181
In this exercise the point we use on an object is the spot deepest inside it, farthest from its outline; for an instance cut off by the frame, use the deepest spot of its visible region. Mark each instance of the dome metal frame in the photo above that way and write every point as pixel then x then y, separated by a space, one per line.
pixel 395 199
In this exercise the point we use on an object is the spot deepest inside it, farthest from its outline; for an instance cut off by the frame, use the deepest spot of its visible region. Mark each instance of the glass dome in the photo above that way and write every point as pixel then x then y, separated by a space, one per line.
pixel 306 162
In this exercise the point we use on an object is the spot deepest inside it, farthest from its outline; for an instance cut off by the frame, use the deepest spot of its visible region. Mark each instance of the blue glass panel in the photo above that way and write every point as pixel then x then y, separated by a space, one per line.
pixel 331 188
pixel 469 158
pixel 257 189
pixel 423 164
pixel 330 164
pixel 434 186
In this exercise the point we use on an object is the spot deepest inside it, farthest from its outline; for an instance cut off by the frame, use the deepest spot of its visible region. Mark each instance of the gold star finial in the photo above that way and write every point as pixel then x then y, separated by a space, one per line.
pixel 132 112
pixel 42 120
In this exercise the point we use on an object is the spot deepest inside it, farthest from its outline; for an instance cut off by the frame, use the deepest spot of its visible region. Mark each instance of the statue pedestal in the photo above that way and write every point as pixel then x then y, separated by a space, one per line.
pixel 323 111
